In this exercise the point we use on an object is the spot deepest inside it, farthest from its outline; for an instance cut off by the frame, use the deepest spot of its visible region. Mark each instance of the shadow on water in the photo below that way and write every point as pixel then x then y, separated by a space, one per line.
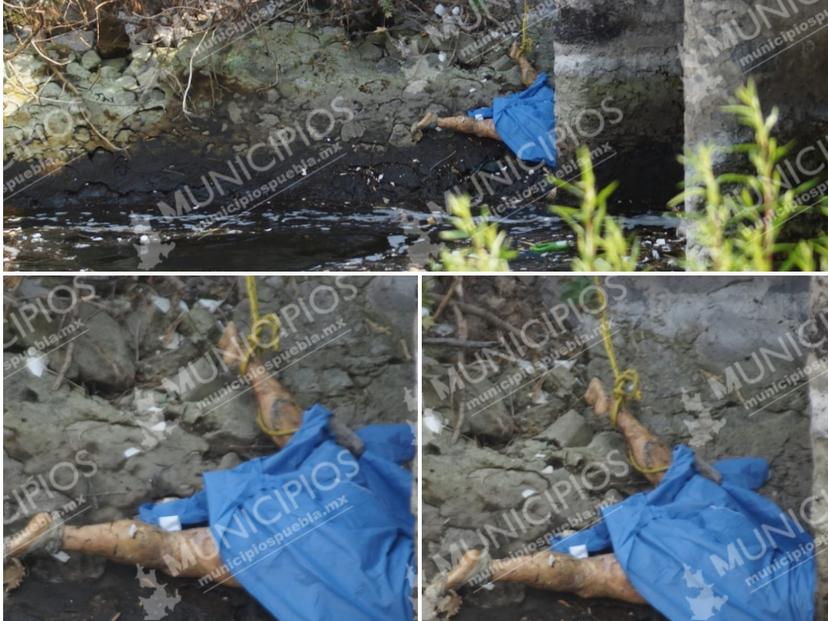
pixel 547 606
pixel 364 211
pixel 327 238
pixel 117 594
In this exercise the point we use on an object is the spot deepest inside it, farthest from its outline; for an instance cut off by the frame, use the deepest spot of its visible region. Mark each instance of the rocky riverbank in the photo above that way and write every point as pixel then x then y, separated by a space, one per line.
pixel 144 405
pixel 532 460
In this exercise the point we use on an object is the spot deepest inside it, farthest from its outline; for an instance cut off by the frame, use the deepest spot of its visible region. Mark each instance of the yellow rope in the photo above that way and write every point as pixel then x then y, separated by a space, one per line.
pixel 273 432
pixel 258 325
pixel 256 342
pixel 626 383
pixel 525 40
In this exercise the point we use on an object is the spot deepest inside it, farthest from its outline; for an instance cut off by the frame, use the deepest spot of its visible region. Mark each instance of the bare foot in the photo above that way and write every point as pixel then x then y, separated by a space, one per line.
pixel 515 51
pixel 228 344
pixel 429 121
pixel 277 407
pixel 597 398
pixel 465 569
pixel 36 535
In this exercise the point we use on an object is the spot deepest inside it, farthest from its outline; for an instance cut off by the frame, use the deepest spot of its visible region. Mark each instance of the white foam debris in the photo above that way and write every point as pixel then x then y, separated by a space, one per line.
pixel 396 241
pixel 528 492
pixel 210 305
pixel 548 470
pixel 132 530
pixel 174 342
pixel 131 452
pixel 159 426
pixel 488 586
pixel 162 304
pixel 61 556
pixel 169 523
pixel 526 366
pixel 440 10
pixel 578 551
pixel 36 365
pixel 432 422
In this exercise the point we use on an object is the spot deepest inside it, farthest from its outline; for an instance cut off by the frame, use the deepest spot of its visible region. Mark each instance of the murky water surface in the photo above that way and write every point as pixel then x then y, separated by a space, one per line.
pixel 325 237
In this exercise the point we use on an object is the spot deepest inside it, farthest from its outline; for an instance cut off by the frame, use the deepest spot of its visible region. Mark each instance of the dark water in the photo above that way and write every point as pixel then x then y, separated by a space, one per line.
pixel 324 237
pixel 117 594
pixel 548 606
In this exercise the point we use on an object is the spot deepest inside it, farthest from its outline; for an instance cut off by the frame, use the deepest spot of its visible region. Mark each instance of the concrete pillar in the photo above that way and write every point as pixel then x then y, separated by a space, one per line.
pixel 818 393
pixel 618 83
pixel 781 44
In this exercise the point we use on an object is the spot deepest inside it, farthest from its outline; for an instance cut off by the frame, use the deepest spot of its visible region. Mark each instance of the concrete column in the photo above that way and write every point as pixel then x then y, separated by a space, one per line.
pixel 818 393
pixel 783 45
pixel 618 79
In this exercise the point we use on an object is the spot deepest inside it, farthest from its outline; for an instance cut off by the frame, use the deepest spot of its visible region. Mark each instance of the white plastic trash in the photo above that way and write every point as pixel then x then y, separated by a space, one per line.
pixel 578 551
pixel 169 523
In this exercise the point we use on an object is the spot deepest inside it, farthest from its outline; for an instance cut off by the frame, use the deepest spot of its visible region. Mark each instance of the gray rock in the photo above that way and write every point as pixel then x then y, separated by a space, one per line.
pixel 369 51
pixel 401 136
pixel 126 82
pixel 511 78
pixel 100 354
pixel 235 112
pixel 90 60
pixel 51 90
pixel 352 131
pixel 118 64
pixel 199 323
pixel 559 380
pixel 389 302
pixel 506 489
pixel 486 413
pixel 76 70
pixel 416 87
pixel 334 382
pixel 503 63
pixel 108 73
pixel 569 430
pixel 78 41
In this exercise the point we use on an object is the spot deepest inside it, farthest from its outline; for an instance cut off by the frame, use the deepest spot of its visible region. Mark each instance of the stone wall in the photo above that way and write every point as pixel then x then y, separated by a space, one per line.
pixel 783 46
pixel 618 79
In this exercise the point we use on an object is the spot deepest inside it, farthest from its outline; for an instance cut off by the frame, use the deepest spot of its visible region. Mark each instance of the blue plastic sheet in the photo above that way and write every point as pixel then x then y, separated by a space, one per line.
pixel 312 532
pixel 703 551
pixel 526 121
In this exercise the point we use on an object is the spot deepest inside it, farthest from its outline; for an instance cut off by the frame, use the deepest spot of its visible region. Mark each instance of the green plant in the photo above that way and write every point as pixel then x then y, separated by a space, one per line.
pixel 740 217
pixel 489 248
pixel 600 242
pixel 387 8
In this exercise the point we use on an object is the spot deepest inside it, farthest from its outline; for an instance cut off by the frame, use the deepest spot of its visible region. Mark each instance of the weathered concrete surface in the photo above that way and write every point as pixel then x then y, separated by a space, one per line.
pixel 781 44
pixel 818 393
pixel 292 90
pixel 685 336
pixel 178 411
pixel 618 81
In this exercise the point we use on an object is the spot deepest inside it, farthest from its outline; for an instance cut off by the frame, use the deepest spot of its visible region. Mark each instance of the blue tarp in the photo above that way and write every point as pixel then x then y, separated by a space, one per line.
pixel 699 550
pixel 312 532
pixel 526 121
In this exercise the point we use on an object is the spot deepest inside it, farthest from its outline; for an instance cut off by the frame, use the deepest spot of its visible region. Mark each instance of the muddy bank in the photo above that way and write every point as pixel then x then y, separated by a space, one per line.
pixel 291 129
pixel 145 406
pixel 527 434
